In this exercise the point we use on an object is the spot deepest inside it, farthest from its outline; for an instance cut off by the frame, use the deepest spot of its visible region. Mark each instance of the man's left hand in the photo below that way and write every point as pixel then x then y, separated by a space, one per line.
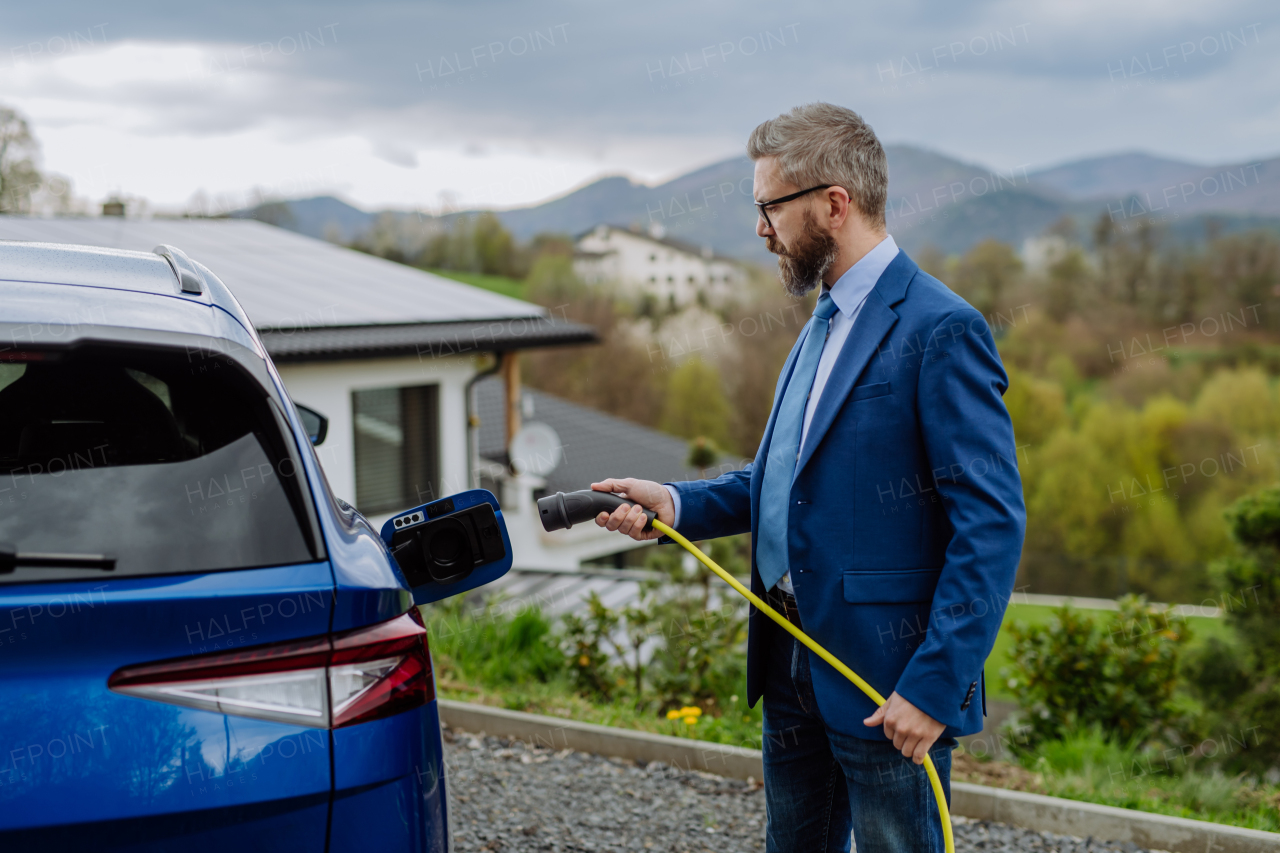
pixel 911 730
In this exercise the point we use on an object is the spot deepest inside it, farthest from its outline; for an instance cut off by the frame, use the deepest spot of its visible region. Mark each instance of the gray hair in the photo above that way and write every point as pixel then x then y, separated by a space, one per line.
pixel 825 144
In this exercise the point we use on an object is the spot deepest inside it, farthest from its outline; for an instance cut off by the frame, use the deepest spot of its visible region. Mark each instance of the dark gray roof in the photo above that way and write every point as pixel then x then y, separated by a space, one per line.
pixel 285 280
pixel 594 445
pixel 425 340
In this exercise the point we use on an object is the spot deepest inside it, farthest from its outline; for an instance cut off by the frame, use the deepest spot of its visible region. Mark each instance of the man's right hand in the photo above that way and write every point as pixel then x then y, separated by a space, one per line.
pixel 644 494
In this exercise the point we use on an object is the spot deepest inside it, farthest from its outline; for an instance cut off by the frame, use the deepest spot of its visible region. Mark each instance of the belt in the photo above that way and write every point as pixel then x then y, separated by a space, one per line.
pixel 785 603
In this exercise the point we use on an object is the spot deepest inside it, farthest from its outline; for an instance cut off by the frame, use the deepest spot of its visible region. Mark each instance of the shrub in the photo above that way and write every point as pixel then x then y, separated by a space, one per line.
pixel 1077 672
pixel 675 646
pixel 584 642
pixel 701 658
pixel 491 646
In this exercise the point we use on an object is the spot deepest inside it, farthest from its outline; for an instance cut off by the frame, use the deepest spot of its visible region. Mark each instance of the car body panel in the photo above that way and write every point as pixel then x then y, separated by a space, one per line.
pixel 389 784
pixel 58 313
pixel 158 617
pixel 91 266
pixel 280 826
pixel 81 759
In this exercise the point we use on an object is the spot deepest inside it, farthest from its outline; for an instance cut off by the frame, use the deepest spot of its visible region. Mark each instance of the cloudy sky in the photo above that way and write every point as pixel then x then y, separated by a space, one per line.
pixel 418 104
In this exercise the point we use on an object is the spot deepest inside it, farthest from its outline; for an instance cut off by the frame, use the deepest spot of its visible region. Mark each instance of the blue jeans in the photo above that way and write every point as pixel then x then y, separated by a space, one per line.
pixel 820 784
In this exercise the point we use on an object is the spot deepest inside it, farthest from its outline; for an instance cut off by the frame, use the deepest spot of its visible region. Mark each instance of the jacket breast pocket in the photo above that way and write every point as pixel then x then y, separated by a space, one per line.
pixel 866 392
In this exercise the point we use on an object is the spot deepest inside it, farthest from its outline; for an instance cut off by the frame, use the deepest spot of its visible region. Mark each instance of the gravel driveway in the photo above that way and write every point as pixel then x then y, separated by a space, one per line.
pixel 506 796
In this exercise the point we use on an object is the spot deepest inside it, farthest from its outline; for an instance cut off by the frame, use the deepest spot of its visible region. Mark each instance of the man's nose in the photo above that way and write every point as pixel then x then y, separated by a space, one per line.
pixel 762 230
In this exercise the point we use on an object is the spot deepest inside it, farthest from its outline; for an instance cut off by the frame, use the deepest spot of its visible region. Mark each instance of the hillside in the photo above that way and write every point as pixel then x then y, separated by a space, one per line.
pixel 1111 176
pixel 934 200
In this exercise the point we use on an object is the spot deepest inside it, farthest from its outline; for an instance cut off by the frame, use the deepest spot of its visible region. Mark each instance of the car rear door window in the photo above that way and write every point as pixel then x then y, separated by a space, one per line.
pixel 157 461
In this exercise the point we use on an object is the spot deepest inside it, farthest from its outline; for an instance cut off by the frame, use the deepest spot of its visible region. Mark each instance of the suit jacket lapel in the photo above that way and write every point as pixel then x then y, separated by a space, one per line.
pixel 874 322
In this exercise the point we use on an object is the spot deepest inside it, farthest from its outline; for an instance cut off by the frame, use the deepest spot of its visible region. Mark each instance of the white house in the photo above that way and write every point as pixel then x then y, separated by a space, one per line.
pixel 1039 253
pixel 647 262
pixel 389 353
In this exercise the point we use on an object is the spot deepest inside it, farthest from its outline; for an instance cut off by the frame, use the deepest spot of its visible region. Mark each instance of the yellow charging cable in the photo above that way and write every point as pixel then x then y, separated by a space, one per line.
pixel 938 793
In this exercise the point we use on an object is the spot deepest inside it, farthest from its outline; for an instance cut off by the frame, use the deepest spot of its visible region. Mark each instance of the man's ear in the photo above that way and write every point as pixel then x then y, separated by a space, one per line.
pixel 839 207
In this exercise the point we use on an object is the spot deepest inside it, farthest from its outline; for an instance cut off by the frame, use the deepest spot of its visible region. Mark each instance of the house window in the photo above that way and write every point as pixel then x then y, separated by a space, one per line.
pixel 653 279
pixel 397 438
pixel 653 258
pixel 671 278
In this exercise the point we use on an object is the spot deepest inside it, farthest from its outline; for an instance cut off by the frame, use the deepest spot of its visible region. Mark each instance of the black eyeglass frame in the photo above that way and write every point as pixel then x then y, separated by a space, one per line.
pixel 761 205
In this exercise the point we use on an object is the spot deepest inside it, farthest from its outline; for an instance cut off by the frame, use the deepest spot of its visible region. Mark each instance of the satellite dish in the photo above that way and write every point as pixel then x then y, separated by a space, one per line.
pixel 535 449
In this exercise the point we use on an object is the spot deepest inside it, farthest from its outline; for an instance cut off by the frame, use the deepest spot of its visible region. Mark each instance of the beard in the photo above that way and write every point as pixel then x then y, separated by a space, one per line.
pixel 802 264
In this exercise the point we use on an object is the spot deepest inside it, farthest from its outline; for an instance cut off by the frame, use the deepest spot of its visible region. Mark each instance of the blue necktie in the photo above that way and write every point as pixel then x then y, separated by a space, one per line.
pixel 784 449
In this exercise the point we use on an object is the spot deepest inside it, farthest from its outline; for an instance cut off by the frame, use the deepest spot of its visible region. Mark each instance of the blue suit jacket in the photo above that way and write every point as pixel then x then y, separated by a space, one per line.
pixel 906 519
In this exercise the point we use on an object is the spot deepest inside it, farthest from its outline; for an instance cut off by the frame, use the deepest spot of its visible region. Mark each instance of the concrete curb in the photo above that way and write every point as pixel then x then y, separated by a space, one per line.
pixel 556 733
pixel 1072 817
pixel 1033 811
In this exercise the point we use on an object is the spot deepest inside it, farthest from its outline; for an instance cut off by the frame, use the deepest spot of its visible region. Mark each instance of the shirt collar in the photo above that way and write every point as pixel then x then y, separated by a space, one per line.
pixel 852 288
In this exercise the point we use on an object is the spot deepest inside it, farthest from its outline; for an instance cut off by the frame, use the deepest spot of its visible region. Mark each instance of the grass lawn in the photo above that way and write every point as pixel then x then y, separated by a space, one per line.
pixel 495 283
pixel 737 726
pixel 1092 770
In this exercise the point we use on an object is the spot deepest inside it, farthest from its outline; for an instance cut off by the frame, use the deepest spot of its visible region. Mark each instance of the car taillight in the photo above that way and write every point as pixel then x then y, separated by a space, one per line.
pixel 323 682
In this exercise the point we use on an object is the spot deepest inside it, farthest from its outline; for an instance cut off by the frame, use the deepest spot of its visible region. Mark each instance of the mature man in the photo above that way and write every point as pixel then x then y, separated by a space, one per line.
pixel 884 502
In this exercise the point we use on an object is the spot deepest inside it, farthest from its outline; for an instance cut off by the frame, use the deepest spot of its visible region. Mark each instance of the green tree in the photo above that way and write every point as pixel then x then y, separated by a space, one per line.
pixel 934 261
pixel 695 405
pixel 19 177
pixel 986 273
pixel 471 243
pixel 1246 270
pixel 1240 678
pixel 1241 400
pixel 552 281
pixel 495 247
pixel 1068 280
pixel 277 213
pixel 1036 406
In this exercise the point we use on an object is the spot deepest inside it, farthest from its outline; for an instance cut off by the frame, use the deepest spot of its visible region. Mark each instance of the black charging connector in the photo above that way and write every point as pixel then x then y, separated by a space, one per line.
pixel 565 509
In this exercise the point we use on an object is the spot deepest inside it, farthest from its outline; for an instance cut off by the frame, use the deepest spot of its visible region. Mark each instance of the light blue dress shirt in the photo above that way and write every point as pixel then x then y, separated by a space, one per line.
pixel 849 292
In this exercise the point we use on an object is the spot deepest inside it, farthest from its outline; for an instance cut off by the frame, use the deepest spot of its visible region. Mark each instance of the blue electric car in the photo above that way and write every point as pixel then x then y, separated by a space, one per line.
pixel 201 647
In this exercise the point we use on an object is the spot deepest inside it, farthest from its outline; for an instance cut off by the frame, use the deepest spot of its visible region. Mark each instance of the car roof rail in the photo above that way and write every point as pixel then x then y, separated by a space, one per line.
pixel 189 278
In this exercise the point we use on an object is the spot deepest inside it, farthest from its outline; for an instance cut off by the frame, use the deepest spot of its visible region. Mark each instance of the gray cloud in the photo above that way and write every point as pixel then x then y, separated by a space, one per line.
pixel 998 82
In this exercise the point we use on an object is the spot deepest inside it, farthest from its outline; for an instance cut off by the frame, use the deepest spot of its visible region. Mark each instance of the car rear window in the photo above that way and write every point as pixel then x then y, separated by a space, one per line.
pixel 159 461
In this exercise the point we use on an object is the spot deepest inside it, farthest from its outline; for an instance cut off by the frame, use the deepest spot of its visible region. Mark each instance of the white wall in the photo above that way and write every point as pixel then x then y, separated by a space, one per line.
pixel 327 387
pixel 632 259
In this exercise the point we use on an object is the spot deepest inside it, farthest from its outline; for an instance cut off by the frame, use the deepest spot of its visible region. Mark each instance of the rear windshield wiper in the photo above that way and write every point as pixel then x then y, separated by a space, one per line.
pixel 11 558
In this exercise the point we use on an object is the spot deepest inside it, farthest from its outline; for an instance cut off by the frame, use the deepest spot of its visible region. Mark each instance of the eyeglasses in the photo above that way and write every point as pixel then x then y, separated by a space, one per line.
pixel 761 205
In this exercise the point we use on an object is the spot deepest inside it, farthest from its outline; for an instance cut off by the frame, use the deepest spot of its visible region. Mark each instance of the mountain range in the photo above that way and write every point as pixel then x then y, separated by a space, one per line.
pixel 934 200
